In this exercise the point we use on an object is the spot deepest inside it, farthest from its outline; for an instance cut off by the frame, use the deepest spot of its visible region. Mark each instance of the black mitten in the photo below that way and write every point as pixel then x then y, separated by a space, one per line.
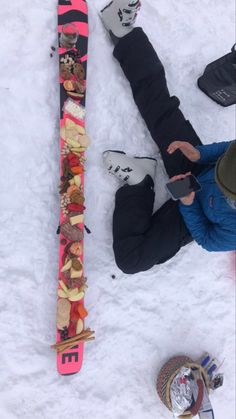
pixel 219 79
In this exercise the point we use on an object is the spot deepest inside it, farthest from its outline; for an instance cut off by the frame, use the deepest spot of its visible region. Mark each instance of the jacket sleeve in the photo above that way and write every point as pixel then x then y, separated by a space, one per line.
pixel 210 153
pixel 210 236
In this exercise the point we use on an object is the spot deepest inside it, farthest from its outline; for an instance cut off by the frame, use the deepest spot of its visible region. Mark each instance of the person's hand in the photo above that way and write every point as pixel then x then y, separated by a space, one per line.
pixel 186 200
pixel 187 149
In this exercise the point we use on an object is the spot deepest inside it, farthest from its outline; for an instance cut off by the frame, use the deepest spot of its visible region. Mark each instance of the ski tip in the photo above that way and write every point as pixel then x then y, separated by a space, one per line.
pixel 70 362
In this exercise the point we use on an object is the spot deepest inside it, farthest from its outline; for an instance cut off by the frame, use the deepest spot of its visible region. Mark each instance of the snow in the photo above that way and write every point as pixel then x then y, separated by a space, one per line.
pixel 184 306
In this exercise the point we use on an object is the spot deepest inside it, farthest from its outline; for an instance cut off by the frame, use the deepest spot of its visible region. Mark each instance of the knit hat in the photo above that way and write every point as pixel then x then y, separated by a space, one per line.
pixel 225 172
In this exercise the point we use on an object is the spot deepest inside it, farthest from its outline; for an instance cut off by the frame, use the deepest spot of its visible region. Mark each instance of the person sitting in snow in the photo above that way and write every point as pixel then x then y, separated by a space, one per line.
pixel 143 239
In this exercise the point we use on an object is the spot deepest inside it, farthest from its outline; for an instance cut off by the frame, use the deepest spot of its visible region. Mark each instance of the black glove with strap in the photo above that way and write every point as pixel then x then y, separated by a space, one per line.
pixel 219 79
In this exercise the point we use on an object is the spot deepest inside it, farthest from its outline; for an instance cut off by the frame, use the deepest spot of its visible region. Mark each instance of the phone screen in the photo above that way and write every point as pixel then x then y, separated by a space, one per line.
pixel 180 188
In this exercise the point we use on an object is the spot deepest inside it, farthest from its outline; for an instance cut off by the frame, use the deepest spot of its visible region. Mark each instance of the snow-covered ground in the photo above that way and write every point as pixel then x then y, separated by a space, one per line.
pixel 184 306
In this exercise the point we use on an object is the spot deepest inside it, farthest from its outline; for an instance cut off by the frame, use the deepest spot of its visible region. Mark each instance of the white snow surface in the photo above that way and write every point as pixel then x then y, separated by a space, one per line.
pixel 185 306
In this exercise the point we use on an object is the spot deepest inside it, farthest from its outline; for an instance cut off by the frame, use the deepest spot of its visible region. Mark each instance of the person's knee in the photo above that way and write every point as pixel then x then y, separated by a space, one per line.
pixel 127 268
pixel 129 264
pixel 132 257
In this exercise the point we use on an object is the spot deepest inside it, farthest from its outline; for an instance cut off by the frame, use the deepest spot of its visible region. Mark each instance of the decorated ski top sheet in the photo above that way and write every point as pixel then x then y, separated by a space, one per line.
pixel 71 312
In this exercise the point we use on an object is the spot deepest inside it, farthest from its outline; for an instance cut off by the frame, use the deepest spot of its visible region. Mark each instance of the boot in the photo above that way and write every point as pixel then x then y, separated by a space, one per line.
pixel 131 170
pixel 119 17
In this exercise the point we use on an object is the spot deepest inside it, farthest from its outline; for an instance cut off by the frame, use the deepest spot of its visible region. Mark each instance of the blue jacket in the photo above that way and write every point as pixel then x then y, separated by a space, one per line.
pixel 210 219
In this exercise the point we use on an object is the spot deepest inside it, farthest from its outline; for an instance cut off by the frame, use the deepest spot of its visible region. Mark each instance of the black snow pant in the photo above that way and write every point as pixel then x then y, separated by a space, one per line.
pixel 143 239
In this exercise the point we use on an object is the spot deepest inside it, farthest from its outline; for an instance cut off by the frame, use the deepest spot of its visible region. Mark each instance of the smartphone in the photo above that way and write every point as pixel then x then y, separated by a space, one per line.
pixel 180 188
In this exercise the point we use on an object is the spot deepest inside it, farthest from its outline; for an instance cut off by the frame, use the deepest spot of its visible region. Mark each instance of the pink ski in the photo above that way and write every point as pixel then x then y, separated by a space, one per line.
pixel 71 312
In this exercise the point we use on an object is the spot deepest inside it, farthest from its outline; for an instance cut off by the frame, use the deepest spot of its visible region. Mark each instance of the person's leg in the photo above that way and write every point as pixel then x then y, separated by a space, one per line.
pixel 160 111
pixel 142 240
